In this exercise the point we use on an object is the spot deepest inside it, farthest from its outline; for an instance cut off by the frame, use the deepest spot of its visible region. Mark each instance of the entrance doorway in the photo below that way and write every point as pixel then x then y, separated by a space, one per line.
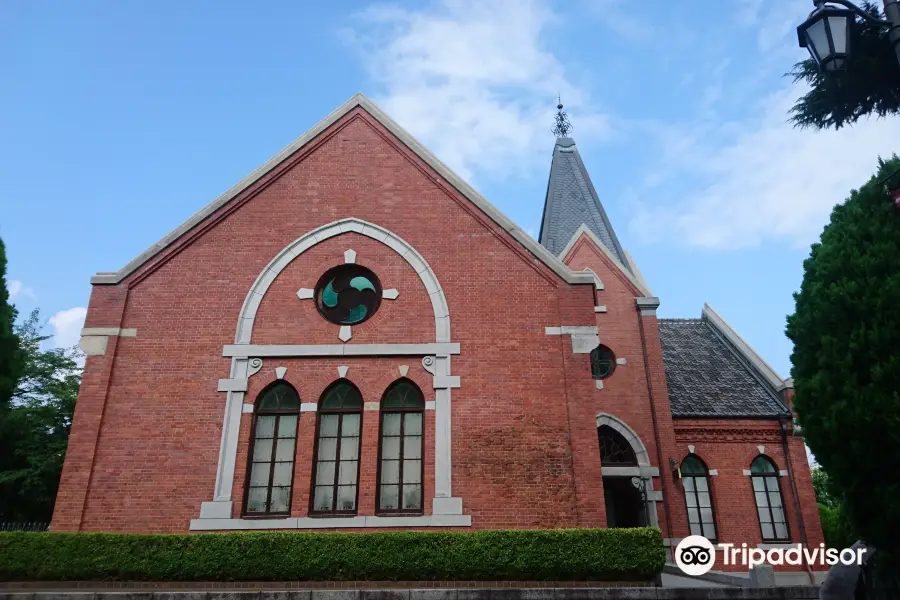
pixel 624 495
pixel 624 503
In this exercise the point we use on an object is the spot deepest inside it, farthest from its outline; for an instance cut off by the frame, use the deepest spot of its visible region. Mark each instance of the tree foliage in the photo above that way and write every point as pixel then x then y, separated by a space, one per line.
pixel 846 358
pixel 41 416
pixel 870 85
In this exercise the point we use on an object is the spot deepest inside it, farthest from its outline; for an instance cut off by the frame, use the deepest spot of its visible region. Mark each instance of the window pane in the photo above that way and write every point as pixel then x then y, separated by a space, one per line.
pixel 350 426
pixel 391 424
pixel 259 474
pixel 389 497
pixel 709 531
pixel 256 500
pixel 758 484
pixel 412 471
pixel 693 516
pixel 328 425
pixel 688 484
pixel 327 448
pixel 774 499
pixel 412 446
pixel 696 529
pixel 390 471
pixel 771 484
pixel 348 473
pixel 703 499
pixel 413 424
pixel 412 496
pixel 701 484
pixel 281 499
pixel 690 499
pixel 325 473
pixel 767 531
pixel 781 530
pixel 763 514
pixel 282 475
pixel 346 497
pixel 262 450
pixel 391 448
pixel 324 498
pixel 349 448
pixel 706 515
pixel 778 514
pixel 287 426
pixel 761 499
pixel 265 427
pixel 285 450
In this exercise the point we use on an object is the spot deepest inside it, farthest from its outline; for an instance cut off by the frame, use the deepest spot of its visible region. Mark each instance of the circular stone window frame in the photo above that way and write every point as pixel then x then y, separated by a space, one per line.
pixel 331 274
pixel 612 362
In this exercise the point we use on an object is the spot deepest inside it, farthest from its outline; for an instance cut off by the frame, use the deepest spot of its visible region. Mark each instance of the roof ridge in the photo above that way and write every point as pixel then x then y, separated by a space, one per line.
pixel 405 138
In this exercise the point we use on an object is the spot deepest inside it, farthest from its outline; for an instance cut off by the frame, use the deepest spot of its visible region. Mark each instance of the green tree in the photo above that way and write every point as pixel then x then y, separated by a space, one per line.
pixel 846 358
pixel 43 405
pixel 823 487
pixel 11 365
pixel 870 85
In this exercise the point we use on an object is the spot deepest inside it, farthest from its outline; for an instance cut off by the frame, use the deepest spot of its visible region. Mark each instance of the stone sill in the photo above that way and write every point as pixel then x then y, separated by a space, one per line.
pixel 330 522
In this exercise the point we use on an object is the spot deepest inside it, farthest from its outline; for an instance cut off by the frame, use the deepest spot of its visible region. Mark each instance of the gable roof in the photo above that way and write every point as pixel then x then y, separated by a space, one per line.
pixel 712 372
pixel 572 201
pixel 361 101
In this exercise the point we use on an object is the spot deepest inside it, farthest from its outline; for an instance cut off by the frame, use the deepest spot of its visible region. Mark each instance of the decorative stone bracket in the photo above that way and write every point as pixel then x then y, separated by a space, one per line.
pixel 95 339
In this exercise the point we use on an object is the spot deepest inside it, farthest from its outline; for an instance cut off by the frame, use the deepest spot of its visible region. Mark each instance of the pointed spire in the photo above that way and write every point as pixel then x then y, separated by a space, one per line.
pixel 561 126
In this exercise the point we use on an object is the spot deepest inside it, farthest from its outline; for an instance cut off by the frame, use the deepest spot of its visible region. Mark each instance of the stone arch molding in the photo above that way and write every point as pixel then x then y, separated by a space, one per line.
pixel 446 510
pixel 640 451
pixel 320 234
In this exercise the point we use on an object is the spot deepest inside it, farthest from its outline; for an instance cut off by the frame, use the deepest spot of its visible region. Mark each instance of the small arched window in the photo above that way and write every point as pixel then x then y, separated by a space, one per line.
pixel 769 501
pixel 603 362
pixel 615 451
pixel 400 449
pixel 336 472
pixel 271 466
pixel 697 497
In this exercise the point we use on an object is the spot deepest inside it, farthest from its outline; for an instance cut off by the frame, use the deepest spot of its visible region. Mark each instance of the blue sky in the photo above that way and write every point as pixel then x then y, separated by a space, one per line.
pixel 121 119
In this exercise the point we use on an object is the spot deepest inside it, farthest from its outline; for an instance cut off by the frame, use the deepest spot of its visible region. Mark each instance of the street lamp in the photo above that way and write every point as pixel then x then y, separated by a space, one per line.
pixel 827 31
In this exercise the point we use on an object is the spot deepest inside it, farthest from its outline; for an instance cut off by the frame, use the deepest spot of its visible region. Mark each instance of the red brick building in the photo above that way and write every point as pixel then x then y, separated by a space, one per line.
pixel 352 337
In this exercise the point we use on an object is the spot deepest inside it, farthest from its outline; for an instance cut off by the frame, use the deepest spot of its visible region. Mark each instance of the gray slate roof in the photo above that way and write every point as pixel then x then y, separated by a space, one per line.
pixel 708 378
pixel 572 201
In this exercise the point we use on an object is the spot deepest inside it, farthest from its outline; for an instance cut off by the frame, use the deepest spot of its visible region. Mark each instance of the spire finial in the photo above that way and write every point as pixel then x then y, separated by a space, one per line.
pixel 562 126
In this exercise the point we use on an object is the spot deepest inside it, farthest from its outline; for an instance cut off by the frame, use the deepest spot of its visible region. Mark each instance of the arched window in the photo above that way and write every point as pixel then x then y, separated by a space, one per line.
pixel 697 497
pixel 336 472
pixel 400 449
pixel 603 362
pixel 271 465
pixel 615 451
pixel 769 502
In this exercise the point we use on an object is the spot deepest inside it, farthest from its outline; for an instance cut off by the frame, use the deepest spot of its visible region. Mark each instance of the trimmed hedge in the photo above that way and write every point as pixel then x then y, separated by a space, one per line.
pixel 523 555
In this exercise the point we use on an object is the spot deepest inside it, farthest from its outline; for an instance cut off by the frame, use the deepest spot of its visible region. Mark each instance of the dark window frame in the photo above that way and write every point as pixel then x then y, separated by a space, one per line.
pixel 402 411
pixel 764 476
pixel 596 362
pixel 277 413
pixel 709 490
pixel 620 440
pixel 341 412
pixel 332 274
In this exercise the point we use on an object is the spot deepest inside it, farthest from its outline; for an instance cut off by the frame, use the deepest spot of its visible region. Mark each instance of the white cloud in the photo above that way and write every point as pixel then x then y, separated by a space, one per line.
pixel 743 184
pixel 67 326
pixel 16 288
pixel 473 80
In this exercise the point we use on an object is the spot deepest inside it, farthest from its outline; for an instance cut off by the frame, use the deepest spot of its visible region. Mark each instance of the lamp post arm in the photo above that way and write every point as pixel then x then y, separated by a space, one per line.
pixel 859 12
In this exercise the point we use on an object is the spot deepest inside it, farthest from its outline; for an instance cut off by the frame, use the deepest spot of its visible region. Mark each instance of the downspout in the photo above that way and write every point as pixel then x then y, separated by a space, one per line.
pixel 659 457
pixel 790 470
